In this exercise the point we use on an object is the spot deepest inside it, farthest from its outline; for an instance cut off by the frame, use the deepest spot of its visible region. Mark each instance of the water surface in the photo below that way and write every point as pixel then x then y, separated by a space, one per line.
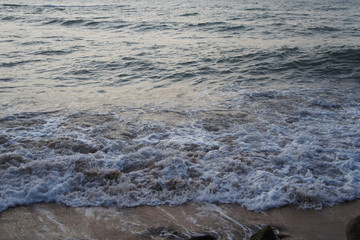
pixel 138 103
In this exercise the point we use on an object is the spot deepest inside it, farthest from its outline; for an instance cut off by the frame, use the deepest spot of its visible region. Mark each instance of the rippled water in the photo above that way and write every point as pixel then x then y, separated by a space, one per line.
pixel 113 103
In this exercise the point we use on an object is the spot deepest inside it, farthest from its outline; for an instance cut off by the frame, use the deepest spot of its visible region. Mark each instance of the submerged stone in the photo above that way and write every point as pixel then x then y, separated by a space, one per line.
pixel 353 229
pixel 264 234
pixel 203 237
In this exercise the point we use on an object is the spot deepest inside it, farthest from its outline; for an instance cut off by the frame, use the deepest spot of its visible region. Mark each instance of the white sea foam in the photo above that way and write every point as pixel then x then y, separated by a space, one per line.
pixel 282 148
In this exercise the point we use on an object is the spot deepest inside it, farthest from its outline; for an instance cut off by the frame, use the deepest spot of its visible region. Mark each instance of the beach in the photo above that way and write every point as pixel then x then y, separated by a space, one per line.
pixel 223 221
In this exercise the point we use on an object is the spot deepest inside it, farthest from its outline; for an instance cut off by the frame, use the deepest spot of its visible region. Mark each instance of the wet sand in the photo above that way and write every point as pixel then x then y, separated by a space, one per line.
pixel 225 221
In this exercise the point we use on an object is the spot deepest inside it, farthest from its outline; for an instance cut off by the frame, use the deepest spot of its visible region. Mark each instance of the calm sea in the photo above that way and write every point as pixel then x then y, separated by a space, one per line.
pixel 129 103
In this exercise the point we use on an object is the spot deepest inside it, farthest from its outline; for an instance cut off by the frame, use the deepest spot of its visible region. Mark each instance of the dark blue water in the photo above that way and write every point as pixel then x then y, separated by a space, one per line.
pixel 144 103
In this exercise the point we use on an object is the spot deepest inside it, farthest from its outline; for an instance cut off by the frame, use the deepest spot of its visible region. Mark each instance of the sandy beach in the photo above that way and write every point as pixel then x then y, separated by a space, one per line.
pixel 225 221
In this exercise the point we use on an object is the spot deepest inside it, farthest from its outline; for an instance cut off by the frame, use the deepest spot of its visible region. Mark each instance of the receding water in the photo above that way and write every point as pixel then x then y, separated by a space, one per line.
pixel 144 103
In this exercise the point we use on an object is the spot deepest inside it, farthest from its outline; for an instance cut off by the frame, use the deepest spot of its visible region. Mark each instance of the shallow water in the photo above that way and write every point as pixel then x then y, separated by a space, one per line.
pixel 222 221
pixel 143 103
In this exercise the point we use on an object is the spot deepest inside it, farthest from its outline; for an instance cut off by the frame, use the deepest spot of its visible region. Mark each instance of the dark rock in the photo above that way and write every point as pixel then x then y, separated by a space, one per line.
pixel 264 234
pixel 353 229
pixel 203 237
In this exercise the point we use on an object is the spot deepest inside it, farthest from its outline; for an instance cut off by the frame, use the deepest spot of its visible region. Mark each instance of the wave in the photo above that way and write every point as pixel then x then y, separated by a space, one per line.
pixel 206 24
pixel 10 18
pixel 6 79
pixel 53 21
pixel 53 52
pixel 13 5
pixel 91 23
pixel 76 22
pixel 324 29
pixel 321 63
pixel 73 22
pixel 345 54
pixel 17 63
pixel 281 148
pixel 255 9
pixel 148 26
pixel 233 28
pixel 189 14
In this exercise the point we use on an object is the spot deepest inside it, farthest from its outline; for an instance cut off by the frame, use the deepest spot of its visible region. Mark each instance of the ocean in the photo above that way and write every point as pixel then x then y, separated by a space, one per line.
pixel 129 103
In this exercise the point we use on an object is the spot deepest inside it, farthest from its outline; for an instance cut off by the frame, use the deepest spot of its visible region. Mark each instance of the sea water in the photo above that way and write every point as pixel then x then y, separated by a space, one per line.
pixel 128 103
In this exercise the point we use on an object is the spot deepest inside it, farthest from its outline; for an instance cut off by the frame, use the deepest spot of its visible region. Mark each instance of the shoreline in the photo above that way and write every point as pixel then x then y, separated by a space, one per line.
pixel 224 221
